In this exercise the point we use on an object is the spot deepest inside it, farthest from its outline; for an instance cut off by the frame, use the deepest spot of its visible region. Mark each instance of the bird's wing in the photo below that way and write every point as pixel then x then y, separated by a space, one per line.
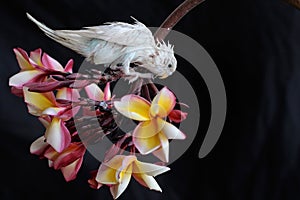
pixel 98 40
pixel 121 33
pixel 82 45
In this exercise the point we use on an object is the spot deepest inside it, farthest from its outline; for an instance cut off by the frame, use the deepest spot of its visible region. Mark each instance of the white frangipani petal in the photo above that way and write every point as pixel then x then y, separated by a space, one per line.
pixel 38 146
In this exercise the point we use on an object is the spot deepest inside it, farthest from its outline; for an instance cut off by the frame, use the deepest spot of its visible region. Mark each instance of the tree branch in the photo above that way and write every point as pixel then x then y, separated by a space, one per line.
pixel 175 17
pixel 295 3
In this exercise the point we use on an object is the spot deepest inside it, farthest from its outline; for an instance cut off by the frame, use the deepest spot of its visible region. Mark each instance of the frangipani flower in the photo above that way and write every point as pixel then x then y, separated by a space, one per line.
pixel 152 133
pixel 52 115
pixel 117 173
pixel 50 91
pixel 35 68
pixel 68 161
pixel 94 92
pixel 29 72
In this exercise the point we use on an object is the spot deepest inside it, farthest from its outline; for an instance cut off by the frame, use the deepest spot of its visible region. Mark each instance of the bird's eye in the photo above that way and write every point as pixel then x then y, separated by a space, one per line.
pixel 169 65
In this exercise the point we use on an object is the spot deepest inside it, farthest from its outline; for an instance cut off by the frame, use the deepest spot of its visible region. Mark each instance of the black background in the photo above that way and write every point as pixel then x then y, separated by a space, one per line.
pixel 256 46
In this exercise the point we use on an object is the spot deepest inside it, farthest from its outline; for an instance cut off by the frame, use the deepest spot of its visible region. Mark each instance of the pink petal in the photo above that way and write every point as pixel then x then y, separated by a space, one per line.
pixel 53 111
pixel 94 92
pixel 67 94
pixel 70 171
pixel 177 116
pixel 16 91
pixel 69 66
pixel 21 78
pixel 23 59
pixel 35 56
pixel 69 113
pixel 34 110
pixel 45 120
pixel 163 103
pixel 39 146
pixel 38 102
pixel 51 64
pixel 51 154
pixel 69 155
pixel 107 93
pixel 57 135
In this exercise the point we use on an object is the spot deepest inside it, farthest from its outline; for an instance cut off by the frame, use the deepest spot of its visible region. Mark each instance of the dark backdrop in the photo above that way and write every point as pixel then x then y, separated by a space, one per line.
pixel 256 46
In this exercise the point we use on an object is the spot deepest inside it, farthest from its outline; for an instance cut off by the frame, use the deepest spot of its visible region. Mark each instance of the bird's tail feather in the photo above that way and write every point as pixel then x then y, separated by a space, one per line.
pixel 69 39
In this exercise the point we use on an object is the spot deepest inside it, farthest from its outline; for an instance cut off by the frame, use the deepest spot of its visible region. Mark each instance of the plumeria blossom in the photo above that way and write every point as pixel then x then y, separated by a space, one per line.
pixel 117 173
pixel 51 93
pixel 68 161
pixel 52 115
pixel 152 133
pixel 35 68
pixel 94 92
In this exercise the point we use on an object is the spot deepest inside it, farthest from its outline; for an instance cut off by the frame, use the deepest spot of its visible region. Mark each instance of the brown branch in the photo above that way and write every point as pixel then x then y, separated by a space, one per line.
pixel 295 3
pixel 171 21
pixel 175 17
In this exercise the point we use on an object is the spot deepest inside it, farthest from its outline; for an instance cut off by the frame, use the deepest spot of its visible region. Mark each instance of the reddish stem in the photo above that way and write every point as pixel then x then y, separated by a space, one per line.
pixel 171 21
pixel 175 17
pixel 295 3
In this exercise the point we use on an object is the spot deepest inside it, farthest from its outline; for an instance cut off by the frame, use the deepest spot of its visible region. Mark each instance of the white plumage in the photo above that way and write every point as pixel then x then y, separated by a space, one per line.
pixel 118 43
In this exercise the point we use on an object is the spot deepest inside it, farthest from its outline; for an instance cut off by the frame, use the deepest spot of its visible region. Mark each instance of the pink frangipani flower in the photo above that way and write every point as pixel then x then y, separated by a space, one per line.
pixel 152 133
pixel 117 173
pixel 45 106
pixel 68 161
pixel 51 93
pixel 94 92
pixel 29 72
pixel 35 68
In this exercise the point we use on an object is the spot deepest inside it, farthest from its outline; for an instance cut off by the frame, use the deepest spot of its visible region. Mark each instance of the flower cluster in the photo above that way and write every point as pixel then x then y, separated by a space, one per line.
pixel 67 103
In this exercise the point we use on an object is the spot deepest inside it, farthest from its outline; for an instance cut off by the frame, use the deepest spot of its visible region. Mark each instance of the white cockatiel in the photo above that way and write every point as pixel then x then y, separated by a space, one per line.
pixel 119 44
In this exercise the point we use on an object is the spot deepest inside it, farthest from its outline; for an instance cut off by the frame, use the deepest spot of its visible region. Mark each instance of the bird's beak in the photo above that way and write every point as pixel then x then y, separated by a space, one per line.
pixel 164 76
